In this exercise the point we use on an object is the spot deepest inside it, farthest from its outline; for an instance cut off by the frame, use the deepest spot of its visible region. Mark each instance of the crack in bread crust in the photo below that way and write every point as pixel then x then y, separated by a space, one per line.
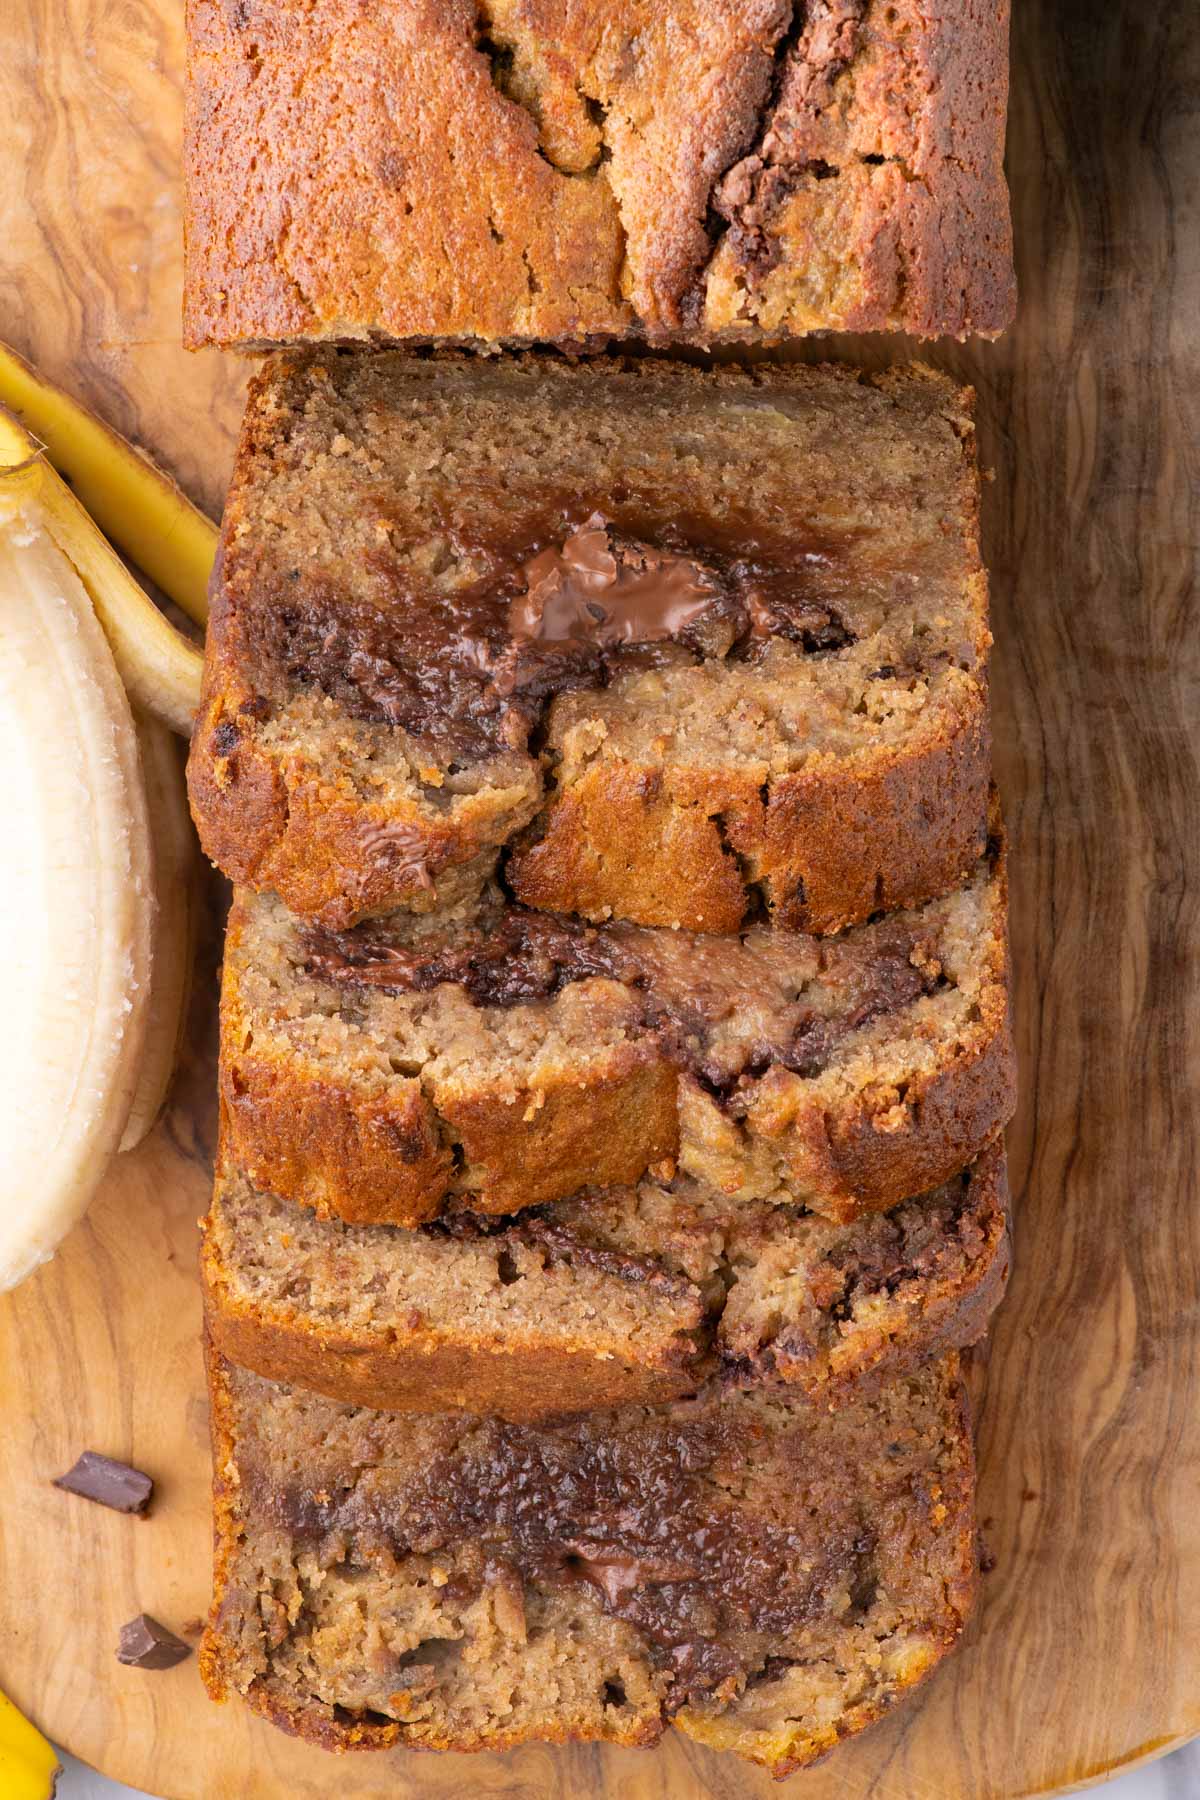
pixel 574 174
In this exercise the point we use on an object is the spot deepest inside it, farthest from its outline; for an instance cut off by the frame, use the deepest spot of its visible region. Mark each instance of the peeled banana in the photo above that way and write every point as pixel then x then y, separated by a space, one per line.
pixel 158 665
pixel 77 899
pixel 28 1765
pixel 132 501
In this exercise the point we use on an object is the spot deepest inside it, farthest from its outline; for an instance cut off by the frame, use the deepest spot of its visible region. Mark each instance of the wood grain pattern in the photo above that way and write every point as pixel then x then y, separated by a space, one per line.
pixel 1087 1652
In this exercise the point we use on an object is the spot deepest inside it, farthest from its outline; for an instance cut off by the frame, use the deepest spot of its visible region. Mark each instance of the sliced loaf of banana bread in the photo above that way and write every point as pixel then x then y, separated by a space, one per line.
pixel 690 642
pixel 767 1576
pixel 493 1057
pixel 615 1297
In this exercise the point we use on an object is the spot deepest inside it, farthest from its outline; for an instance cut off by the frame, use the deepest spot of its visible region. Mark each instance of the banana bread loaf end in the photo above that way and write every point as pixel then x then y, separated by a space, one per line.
pixel 435 169
pixel 766 1576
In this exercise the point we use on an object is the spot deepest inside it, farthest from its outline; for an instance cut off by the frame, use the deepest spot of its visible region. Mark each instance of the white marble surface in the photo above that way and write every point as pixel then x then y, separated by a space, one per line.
pixel 1174 1778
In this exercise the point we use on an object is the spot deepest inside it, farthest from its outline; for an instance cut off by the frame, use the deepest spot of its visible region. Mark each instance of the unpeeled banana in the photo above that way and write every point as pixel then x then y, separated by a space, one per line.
pixel 28 1765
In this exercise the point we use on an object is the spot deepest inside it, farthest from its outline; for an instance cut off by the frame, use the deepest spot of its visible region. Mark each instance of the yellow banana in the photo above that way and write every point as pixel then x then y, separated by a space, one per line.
pixel 28 1764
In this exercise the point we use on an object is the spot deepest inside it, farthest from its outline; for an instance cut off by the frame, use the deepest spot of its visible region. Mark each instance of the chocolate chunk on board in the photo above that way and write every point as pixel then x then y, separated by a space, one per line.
pixel 109 1483
pixel 145 1644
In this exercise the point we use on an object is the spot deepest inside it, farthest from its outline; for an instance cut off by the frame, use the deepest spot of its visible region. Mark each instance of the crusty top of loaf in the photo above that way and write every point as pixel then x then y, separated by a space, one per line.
pixel 528 170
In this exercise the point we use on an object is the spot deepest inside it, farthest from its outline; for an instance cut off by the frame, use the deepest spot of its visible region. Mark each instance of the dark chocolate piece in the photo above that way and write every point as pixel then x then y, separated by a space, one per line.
pixel 108 1483
pixel 145 1644
pixel 600 588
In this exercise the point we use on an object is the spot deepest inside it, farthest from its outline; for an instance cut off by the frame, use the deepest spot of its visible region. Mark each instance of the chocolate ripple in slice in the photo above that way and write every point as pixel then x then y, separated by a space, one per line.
pixel 726 1009
pixel 636 1514
pixel 475 669
pixel 510 956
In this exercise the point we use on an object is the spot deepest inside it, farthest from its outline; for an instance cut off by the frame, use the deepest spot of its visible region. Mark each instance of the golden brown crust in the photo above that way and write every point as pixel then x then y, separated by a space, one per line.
pixel 890 1144
pixel 419 1370
pixel 824 846
pixel 603 1126
pixel 304 1128
pixel 286 822
pixel 315 1727
pixel 561 170
pixel 274 825
pixel 226 1528
pixel 950 1317
pixel 880 1145
pixel 394 1158
pixel 367 1159
pixel 958 1322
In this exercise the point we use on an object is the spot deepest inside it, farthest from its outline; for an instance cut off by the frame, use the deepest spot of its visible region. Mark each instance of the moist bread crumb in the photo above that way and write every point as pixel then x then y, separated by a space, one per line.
pixel 685 169
pixel 766 1576
pixel 492 1058
pixel 785 712
pixel 615 1297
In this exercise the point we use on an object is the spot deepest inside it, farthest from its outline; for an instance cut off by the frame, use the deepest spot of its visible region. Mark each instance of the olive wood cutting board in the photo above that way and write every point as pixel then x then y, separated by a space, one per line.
pixel 1085 1656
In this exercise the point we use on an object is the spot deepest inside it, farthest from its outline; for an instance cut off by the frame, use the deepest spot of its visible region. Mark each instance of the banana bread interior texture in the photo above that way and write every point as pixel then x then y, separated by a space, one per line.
pixel 436 169
pixel 683 643
pixel 493 1057
pixel 615 1296
pixel 766 1576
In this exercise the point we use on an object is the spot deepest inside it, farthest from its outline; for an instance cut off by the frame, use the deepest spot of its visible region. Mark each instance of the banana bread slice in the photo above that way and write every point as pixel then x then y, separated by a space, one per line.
pixel 615 1297
pixel 493 1058
pixel 517 172
pixel 690 643
pixel 766 1576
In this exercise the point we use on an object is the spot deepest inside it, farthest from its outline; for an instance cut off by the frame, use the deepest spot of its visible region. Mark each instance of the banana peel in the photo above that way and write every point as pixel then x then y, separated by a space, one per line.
pixel 176 919
pixel 138 507
pixel 29 1767
pixel 161 669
